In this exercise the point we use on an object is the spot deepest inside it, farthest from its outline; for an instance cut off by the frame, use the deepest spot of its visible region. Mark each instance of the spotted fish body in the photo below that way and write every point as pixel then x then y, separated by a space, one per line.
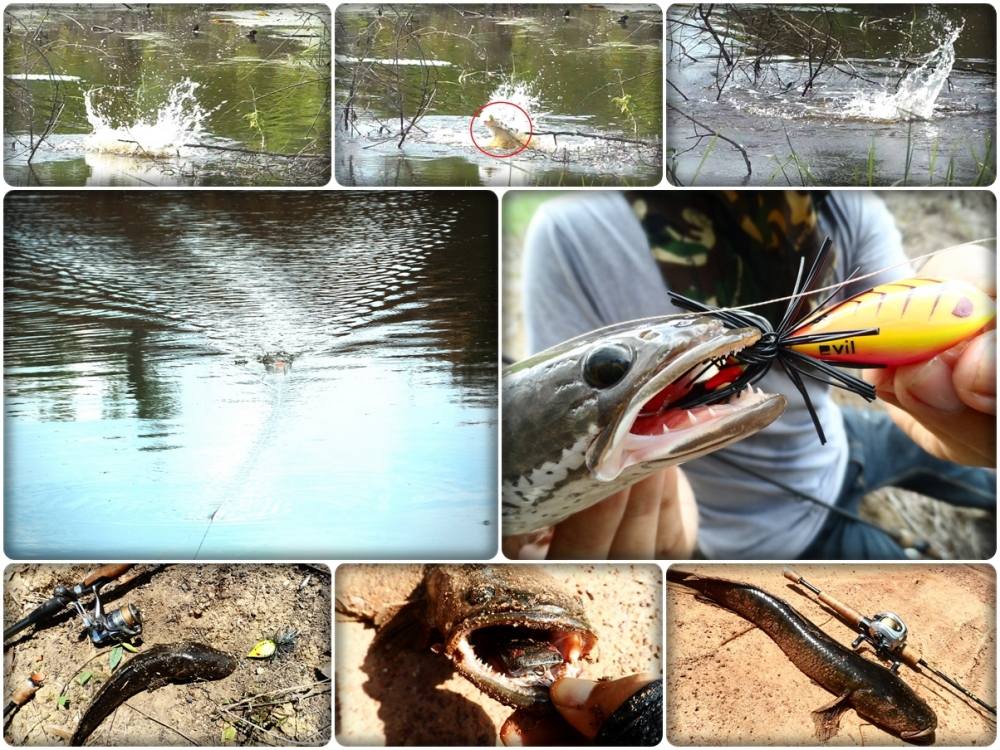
pixel 567 444
pixel 874 692
pixel 917 319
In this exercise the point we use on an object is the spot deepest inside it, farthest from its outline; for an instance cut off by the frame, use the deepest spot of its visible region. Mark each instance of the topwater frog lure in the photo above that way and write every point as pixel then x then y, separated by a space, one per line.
pixel 892 324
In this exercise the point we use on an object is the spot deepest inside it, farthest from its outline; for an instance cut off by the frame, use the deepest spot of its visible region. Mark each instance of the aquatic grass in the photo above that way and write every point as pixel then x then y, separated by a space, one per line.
pixel 806 176
pixel 932 166
pixel 870 166
pixel 909 152
pixel 779 168
pixel 701 163
pixel 984 165
pixel 949 176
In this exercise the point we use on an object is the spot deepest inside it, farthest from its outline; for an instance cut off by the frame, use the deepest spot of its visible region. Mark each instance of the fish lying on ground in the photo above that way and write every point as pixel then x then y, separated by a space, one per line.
pixel 597 413
pixel 149 670
pixel 511 630
pixel 876 693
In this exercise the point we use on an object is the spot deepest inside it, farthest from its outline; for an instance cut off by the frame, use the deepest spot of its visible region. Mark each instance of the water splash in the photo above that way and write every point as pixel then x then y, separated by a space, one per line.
pixel 917 93
pixel 521 94
pixel 178 122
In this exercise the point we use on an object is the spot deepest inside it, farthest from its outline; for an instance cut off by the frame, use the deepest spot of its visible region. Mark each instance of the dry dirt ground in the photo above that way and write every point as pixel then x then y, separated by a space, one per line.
pixel 409 696
pixel 729 684
pixel 228 607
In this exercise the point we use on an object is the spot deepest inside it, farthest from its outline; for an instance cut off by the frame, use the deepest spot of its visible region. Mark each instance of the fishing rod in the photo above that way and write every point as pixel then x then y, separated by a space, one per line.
pixel 886 633
pixel 902 537
pixel 102 627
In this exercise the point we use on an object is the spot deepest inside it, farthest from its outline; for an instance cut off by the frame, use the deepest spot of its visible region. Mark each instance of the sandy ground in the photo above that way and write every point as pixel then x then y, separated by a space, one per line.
pixel 729 684
pixel 406 696
pixel 228 607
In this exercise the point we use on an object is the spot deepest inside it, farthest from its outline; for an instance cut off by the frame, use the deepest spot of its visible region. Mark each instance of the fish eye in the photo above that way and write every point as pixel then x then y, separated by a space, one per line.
pixel 606 365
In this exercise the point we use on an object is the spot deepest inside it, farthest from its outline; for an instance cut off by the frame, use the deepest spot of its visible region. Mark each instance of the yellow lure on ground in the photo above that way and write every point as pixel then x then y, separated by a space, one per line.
pixel 262 649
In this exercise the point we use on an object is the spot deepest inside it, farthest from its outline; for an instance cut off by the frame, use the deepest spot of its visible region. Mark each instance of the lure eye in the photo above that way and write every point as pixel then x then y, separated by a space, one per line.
pixel 606 365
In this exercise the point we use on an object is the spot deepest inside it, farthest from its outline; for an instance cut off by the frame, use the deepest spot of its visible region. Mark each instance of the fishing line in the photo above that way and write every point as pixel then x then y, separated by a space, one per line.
pixel 851 279
pixel 920 545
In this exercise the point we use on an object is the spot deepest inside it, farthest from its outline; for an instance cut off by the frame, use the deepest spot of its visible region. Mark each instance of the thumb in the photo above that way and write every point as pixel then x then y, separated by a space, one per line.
pixel 586 705
pixel 975 376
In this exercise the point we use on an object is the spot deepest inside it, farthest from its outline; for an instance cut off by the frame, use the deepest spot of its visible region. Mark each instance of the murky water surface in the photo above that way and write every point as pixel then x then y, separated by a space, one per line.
pixel 140 421
pixel 832 95
pixel 577 71
pixel 166 95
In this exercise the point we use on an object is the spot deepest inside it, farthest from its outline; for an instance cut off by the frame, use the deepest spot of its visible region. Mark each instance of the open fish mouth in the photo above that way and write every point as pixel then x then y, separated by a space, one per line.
pixel 516 658
pixel 655 425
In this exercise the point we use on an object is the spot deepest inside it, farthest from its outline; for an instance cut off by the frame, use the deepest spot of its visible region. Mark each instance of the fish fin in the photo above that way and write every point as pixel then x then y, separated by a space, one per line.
pixel 827 718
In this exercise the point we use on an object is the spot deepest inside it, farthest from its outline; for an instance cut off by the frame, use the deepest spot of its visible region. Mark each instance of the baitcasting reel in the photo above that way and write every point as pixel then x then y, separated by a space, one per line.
pixel 886 633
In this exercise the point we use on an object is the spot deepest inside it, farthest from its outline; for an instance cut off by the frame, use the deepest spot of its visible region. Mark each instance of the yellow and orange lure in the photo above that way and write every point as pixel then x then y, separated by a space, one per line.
pixel 893 324
pixel 916 319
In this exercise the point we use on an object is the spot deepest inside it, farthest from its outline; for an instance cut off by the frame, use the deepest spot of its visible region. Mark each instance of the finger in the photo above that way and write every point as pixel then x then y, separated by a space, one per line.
pixel 975 374
pixel 635 538
pixel 527 727
pixel 531 546
pixel 967 437
pixel 677 533
pixel 929 384
pixel 589 534
pixel 587 705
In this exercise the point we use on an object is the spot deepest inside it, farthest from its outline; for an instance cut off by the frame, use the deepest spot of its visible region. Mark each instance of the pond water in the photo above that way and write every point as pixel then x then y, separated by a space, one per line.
pixel 140 421
pixel 832 95
pixel 585 81
pixel 166 95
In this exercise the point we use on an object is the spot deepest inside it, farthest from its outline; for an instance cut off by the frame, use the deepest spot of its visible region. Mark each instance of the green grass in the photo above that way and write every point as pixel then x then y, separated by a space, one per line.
pixel 708 152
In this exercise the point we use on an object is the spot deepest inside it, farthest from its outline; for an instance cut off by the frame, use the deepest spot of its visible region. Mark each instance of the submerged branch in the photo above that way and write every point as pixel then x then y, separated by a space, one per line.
pixel 720 136
pixel 597 136
pixel 238 150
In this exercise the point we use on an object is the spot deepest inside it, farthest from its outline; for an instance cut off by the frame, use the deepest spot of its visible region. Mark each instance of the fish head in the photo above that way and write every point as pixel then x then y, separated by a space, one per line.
pixel 605 409
pixel 511 630
pixel 901 711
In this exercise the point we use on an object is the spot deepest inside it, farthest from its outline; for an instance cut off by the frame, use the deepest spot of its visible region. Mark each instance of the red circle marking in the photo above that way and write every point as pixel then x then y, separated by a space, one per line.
pixel 515 152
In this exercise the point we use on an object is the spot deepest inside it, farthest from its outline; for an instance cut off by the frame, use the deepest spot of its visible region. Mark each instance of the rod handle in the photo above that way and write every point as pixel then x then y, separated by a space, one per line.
pixel 106 573
pixel 909 656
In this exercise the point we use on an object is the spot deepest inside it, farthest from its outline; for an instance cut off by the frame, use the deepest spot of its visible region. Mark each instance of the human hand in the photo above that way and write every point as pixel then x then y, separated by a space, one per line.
pixel 654 518
pixel 947 405
pixel 582 708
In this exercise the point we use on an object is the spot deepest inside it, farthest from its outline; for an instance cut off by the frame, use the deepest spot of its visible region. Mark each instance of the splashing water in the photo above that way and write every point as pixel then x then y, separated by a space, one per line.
pixel 519 93
pixel 917 92
pixel 178 122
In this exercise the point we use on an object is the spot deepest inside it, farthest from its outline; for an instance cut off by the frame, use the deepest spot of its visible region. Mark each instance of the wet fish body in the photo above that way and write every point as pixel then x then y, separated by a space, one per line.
pixel 568 443
pixel 876 693
pixel 149 670
pixel 488 617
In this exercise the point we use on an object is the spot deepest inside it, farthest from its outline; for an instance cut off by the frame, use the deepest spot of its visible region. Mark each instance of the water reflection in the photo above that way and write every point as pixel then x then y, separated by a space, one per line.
pixel 144 406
